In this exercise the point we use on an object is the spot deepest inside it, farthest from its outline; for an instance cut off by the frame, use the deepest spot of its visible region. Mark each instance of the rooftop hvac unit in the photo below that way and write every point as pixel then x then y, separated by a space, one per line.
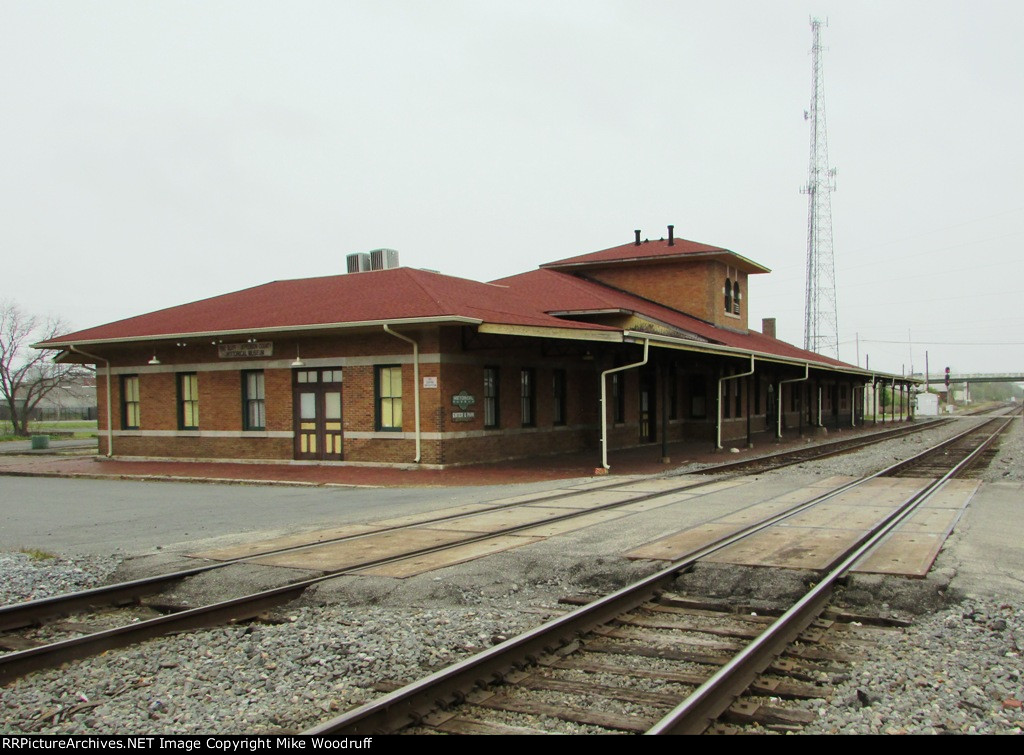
pixel 383 259
pixel 358 262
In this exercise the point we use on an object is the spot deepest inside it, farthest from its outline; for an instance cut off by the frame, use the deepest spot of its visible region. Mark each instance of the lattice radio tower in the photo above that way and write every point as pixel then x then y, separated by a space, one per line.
pixel 821 330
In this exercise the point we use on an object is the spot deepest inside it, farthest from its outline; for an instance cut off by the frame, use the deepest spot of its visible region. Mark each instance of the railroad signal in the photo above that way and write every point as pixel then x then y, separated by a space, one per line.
pixel 947 377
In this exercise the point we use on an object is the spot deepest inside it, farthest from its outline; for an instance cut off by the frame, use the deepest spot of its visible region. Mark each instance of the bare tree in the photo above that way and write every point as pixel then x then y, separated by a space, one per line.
pixel 28 375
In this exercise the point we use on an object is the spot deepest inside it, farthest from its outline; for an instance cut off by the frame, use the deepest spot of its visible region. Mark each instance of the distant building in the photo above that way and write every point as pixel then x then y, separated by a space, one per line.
pixel 74 399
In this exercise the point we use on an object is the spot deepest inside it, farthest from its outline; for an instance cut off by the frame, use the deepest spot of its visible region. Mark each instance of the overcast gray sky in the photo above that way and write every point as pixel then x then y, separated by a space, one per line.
pixel 155 153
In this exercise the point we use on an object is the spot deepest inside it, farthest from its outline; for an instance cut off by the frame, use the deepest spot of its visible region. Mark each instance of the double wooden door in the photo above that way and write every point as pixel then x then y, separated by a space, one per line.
pixel 318 414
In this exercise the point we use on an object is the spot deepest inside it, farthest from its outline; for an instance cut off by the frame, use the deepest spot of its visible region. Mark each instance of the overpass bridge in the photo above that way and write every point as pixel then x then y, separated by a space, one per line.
pixel 972 377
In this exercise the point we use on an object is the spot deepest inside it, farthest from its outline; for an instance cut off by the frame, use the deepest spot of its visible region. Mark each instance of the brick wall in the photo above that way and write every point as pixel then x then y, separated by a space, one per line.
pixel 460 368
pixel 696 288
pixel 203 448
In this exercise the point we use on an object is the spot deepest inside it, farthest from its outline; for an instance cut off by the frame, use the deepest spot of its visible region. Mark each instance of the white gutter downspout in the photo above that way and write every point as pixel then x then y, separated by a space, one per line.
pixel 110 429
pixel 778 398
pixel 718 428
pixel 604 400
pixel 416 378
pixel 820 424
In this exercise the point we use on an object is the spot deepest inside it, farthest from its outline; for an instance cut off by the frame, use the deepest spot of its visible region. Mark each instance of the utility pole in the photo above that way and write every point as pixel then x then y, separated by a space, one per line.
pixel 821 329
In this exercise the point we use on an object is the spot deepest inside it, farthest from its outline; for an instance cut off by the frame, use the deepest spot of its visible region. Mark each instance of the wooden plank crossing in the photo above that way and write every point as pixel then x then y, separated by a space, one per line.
pixel 813 538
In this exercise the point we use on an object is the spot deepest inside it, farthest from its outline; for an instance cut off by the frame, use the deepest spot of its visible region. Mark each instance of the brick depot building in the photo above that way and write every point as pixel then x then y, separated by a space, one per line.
pixel 401 366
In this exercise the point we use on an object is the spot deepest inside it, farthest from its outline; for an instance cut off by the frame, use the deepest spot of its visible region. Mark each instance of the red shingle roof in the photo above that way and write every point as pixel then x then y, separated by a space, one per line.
pixel 376 296
pixel 649 251
pixel 554 291
pixel 405 293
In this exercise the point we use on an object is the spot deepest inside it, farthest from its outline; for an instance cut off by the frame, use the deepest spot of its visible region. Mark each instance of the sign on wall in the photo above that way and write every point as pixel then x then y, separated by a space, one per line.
pixel 245 350
pixel 463 399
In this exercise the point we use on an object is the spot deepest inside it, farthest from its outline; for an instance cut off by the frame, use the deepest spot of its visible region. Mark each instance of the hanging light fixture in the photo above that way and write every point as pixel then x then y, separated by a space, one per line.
pixel 154 360
pixel 298 360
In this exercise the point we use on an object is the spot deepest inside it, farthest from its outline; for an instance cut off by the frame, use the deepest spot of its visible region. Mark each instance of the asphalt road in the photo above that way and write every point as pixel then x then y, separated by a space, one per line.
pixel 118 516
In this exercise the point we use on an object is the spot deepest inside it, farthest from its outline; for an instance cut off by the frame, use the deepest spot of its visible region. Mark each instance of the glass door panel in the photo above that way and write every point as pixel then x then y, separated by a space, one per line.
pixel 318 412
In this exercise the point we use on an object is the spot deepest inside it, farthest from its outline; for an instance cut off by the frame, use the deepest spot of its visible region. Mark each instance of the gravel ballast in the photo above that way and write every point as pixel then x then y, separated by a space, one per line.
pixel 256 678
pixel 958 670
pixel 33 575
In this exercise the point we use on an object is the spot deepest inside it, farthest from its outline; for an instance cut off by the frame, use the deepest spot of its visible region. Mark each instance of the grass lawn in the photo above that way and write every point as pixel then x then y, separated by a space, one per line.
pixel 80 429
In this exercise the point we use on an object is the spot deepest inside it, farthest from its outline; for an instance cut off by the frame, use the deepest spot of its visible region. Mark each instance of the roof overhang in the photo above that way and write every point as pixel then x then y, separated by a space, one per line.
pixel 289 329
pixel 669 342
pixel 570 334
pixel 720 255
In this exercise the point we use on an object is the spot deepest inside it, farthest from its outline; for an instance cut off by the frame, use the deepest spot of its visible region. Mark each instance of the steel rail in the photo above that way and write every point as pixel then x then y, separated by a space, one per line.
pixel 910 463
pixel 413 702
pixel 707 702
pixel 34 612
pixel 28 613
pixel 834 448
pixel 18 663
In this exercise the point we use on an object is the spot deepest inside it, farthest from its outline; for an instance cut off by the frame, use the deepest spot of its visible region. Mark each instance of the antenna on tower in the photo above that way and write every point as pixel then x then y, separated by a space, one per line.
pixel 821 329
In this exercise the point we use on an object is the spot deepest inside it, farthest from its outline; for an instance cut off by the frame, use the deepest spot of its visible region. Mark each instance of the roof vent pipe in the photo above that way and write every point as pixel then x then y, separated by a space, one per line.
pixel 671 237
pixel 637 232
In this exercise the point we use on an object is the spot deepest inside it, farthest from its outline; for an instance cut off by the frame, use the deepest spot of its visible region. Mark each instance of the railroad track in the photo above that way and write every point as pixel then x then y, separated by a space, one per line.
pixel 818 451
pixel 516 677
pixel 37 613
pixel 934 461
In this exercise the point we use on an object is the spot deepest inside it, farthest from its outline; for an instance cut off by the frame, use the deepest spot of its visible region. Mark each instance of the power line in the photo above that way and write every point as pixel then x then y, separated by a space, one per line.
pixel 917 342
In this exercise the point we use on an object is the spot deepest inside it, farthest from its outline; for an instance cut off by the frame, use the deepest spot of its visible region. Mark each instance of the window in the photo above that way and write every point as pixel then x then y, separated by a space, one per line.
pixel 492 381
pixel 254 409
pixel 130 402
pixel 736 298
pixel 728 295
pixel 389 397
pixel 527 397
pixel 739 398
pixel 558 386
pixel 188 401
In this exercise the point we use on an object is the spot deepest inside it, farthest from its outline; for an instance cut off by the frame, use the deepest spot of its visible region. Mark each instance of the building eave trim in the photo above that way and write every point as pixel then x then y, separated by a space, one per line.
pixel 445 320
pixel 570 334
pixel 637 337
pixel 754 268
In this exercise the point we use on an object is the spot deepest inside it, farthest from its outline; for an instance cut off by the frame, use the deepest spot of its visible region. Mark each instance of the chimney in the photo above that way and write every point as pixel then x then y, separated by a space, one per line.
pixel 671 239
pixel 637 232
pixel 768 326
